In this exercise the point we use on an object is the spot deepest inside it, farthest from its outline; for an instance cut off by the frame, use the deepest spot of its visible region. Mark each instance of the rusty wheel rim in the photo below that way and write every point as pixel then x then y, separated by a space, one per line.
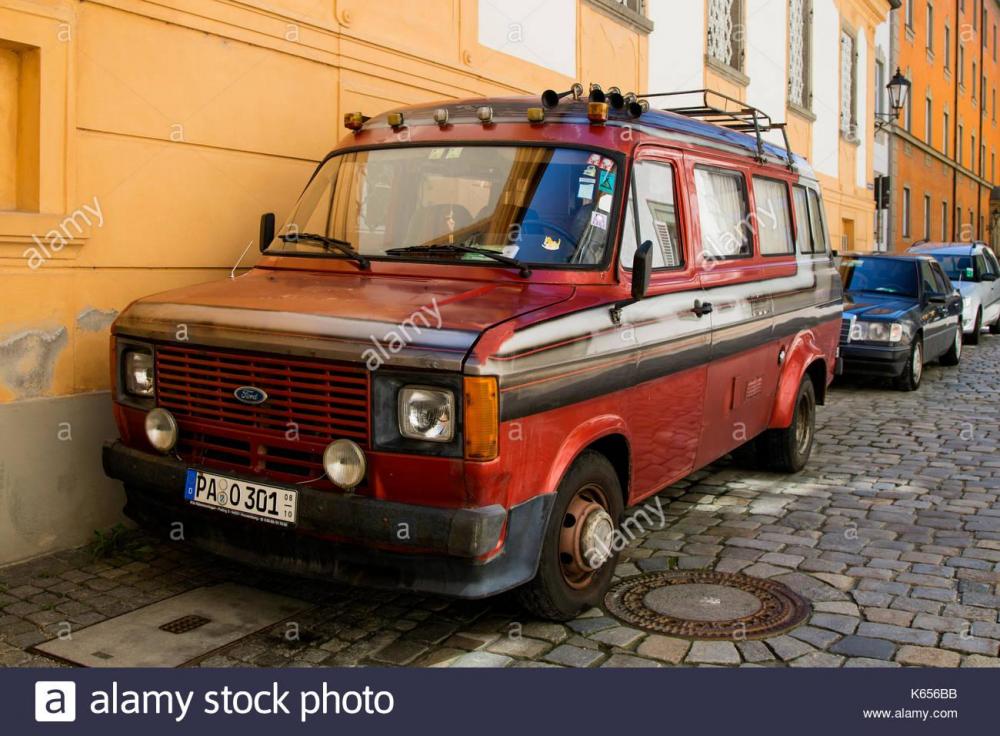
pixel 585 536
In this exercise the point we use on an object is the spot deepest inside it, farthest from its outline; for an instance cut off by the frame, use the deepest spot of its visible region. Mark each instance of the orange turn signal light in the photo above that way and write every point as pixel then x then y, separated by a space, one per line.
pixel 482 418
pixel 395 119
pixel 536 114
pixel 597 112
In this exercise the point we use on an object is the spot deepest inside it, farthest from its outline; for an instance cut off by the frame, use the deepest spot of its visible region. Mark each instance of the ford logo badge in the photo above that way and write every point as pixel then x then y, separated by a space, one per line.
pixel 250 395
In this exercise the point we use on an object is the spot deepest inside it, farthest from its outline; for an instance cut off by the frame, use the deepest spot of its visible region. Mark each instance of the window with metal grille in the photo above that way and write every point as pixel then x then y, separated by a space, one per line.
pixel 800 53
pixel 726 32
pixel 848 85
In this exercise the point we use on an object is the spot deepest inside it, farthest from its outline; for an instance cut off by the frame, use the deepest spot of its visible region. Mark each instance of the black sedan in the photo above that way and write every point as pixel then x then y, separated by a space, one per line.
pixel 900 312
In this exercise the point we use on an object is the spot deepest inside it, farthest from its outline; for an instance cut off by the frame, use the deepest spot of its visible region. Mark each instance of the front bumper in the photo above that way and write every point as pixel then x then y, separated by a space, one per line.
pixel 447 543
pixel 874 360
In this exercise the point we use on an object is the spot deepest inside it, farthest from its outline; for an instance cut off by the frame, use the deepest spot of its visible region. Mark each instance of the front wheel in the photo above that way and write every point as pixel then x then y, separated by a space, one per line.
pixel 995 327
pixel 954 354
pixel 787 450
pixel 579 551
pixel 913 371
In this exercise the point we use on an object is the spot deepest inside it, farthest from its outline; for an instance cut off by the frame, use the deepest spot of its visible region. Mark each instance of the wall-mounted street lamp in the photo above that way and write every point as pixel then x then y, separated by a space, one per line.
pixel 899 89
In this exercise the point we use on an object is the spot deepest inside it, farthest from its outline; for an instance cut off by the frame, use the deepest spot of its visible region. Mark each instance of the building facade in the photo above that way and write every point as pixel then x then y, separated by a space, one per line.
pixel 943 151
pixel 139 143
pixel 809 63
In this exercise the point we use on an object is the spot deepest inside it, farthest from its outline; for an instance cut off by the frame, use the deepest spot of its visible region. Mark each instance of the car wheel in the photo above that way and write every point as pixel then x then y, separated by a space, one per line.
pixel 954 354
pixel 578 552
pixel 913 372
pixel 787 450
pixel 995 327
pixel 973 337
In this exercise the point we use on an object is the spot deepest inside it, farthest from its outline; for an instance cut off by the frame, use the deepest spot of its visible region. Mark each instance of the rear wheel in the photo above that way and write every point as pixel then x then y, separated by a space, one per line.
pixel 913 371
pixel 973 337
pixel 995 327
pixel 954 354
pixel 787 450
pixel 578 556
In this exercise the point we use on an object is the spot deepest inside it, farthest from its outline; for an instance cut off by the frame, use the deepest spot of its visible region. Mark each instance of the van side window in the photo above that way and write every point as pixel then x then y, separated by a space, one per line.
pixel 652 196
pixel 722 212
pixel 774 219
pixel 816 218
pixel 804 231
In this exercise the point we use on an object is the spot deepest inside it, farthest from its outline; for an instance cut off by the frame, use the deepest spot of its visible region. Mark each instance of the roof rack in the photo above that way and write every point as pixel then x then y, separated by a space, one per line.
pixel 732 114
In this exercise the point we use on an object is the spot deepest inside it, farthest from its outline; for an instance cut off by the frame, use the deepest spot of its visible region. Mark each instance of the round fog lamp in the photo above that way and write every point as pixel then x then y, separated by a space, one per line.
pixel 161 429
pixel 344 463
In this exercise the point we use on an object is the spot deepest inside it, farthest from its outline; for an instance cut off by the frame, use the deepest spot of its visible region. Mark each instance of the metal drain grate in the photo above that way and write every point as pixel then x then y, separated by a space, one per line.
pixel 184 624
pixel 703 604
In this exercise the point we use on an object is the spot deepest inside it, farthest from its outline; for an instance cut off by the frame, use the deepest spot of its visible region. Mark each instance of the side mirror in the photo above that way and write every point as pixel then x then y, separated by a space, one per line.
pixel 988 277
pixel 266 230
pixel 936 298
pixel 642 269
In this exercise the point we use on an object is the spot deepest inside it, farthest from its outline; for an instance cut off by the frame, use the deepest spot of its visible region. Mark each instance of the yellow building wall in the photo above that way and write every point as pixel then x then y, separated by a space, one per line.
pixel 178 123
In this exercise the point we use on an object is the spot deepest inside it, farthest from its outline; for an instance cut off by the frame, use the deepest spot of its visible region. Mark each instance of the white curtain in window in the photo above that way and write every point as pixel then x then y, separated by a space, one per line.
pixel 774 224
pixel 721 212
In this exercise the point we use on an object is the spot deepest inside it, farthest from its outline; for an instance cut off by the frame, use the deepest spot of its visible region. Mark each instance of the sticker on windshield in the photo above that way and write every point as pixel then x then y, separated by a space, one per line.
pixel 586 190
pixel 599 220
pixel 551 243
pixel 594 159
pixel 510 251
pixel 607 182
pixel 607 164
pixel 454 153
pixel 590 171
pixel 604 203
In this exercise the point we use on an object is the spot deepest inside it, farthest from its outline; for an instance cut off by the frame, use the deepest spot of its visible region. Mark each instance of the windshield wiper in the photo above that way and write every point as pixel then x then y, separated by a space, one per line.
pixel 335 243
pixel 458 248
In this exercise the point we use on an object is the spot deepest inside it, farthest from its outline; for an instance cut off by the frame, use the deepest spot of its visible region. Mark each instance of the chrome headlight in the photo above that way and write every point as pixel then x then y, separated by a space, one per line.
pixel 426 413
pixel 887 332
pixel 161 429
pixel 344 463
pixel 137 366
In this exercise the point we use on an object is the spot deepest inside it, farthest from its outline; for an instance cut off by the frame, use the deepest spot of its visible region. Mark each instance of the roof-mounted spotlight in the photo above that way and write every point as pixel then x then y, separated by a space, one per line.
pixel 637 108
pixel 629 98
pixel 536 114
pixel 616 98
pixel 550 98
pixel 596 93
pixel 355 120
pixel 395 119
pixel 485 114
pixel 597 112
pixel 441 116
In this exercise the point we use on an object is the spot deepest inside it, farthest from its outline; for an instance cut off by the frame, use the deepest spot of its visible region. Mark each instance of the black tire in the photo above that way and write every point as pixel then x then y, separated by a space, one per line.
pixel 973 337
pixel 913 371
pixel 995 327
pixel 787 450
pixel 747 455
pixel 954 354
pixel 549 595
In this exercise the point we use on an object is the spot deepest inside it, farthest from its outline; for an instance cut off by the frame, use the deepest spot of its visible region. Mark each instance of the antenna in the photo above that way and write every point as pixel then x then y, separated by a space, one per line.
pixel 232 274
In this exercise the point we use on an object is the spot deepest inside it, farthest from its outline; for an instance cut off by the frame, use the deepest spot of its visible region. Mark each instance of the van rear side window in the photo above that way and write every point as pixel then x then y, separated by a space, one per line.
pixel 818 229
pixel 652 195
pixel 722 213
pixel 774 220
pixel 803 229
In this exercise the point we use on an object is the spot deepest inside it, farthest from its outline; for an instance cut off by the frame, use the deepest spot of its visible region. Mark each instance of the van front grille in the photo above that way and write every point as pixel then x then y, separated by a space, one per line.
pixel 309 403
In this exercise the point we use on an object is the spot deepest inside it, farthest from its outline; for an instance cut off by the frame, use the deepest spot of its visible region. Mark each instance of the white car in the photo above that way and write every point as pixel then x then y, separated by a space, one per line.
pixel 974 270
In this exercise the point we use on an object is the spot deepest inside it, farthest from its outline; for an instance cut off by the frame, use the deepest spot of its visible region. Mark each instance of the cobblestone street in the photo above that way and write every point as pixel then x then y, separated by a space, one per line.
pixel 892 532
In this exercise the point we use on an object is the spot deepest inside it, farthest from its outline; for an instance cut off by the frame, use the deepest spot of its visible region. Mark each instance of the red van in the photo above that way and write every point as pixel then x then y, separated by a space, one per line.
pixel 486 329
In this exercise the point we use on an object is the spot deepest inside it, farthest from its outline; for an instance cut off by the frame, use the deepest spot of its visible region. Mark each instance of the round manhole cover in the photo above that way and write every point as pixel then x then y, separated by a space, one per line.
pixel 702 604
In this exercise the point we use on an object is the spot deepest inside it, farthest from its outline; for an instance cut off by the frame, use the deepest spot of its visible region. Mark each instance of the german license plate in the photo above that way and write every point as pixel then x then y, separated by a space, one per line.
pixel 241 498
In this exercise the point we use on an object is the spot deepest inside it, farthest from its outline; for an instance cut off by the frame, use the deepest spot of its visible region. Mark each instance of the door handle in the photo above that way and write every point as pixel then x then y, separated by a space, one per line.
pixel 701 308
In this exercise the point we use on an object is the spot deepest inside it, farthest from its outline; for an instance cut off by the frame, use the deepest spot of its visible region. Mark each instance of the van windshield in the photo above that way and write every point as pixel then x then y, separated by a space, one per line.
pixel 540 205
